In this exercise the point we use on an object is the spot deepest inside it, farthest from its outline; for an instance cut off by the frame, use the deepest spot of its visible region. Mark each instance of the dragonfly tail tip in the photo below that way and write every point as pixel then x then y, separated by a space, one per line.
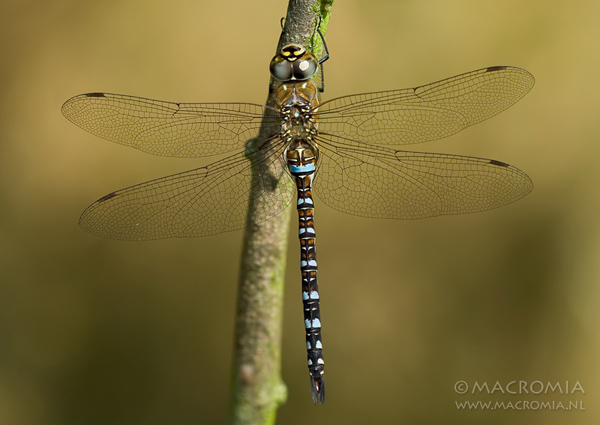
pixel 317 386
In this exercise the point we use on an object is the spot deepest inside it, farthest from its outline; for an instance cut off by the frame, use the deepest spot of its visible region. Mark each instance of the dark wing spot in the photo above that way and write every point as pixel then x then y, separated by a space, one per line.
pixel 95 95
pixel 107 197
pixel 496 68
pixel 498 163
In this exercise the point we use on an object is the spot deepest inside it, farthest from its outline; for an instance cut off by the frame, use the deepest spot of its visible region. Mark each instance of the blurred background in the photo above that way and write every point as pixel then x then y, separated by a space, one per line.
pixel 96 331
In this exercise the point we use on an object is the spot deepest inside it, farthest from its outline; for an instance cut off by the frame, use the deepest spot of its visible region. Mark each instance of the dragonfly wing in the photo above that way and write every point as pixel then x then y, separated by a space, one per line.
pixel 425 113
pixel 200 202
pixel 370 181
pixel 165 128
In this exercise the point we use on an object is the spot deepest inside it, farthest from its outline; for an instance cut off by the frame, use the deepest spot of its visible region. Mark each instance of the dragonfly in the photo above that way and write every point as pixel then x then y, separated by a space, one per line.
pixel 345 149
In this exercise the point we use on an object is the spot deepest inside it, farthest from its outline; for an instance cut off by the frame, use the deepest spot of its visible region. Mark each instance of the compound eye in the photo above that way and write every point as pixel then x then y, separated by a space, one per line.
pixel 281 69
pixel 305 68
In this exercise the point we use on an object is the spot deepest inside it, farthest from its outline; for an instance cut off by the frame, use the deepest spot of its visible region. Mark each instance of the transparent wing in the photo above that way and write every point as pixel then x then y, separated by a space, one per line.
pixel 165 128
pixel 200 202
pixel 370 181
pixel 425 113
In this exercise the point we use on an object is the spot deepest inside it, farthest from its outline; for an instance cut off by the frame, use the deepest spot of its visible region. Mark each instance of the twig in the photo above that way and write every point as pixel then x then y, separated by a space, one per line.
pixel 258 389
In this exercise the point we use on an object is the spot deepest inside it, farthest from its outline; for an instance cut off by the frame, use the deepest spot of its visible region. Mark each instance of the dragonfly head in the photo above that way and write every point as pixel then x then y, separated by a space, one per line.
pixel 294 63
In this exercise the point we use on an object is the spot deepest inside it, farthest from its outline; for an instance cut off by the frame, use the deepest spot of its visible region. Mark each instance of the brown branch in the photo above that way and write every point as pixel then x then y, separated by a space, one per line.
pixel 258 389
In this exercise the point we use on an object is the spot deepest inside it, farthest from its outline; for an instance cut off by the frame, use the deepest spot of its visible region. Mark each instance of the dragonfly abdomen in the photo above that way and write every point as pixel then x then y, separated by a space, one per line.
pixel 301 163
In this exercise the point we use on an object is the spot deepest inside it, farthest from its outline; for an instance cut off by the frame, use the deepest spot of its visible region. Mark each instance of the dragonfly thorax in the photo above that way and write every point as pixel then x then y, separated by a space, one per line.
pixel 297 103
pixel 297 124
